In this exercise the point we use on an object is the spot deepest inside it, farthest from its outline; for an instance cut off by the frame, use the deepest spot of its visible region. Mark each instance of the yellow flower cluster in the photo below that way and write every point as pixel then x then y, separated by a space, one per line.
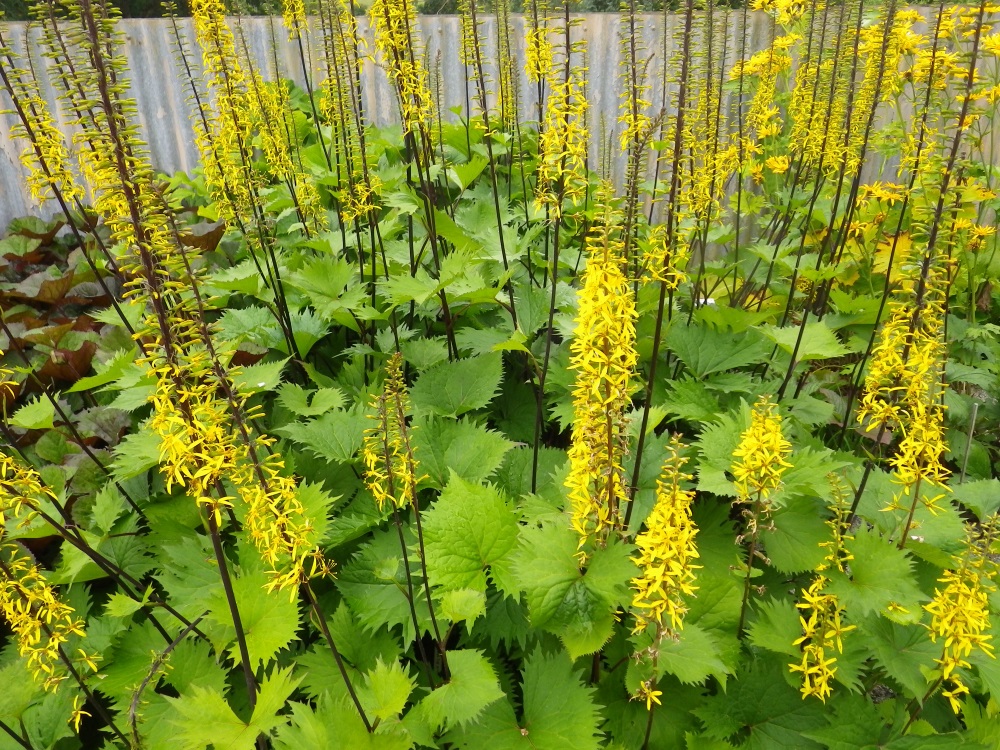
pixel 823 94
pixel 603 358
pixel 357 189
pixel 960 610
pixel 294 14
pixel 788 12
pixel 881 46
pixel 563 142
pixel 666 550
pixel 271 113
pixel 395 22
pixel 224 145
pixel 633 109
pixel 41 623
pixel 822 634
pixel 538 50
pixel 390 466
pixel 762 116
pixel 278 526
pixel 904 379
pixel 663 260
pixel 822 625
pixel 45 156
pixel 761 454
pixel 202 453
pixel 711 157
pixel 508 79
pixel 197 448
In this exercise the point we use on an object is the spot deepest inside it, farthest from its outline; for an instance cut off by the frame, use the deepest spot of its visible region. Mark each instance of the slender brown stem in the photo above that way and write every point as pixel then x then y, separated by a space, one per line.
pixel 325 629
pixel 16 737
pixel 234 611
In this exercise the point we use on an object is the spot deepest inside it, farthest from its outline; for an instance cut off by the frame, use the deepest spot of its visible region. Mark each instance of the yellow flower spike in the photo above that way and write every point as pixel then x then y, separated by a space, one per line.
pixel 761 454
pixel 666 550
pixel 40 622
pixel 278 526
pixel 603 357
pixel 390 466
pixel 822 638
pixel 960 609
pixel 394 22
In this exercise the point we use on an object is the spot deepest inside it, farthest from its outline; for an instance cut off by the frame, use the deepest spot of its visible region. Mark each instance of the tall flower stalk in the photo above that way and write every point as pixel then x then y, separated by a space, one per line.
pixel 760 461
pixel 603 360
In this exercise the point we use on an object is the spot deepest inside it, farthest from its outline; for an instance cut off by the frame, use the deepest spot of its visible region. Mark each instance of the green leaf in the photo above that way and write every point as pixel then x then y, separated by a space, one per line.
pixel 206 718
pixel 18 693
pixel 558 707
pixel 108 506
pixel 454 388
pixel 559 712
pixel 463 605
pixel 468 529
pixel 47 721
pixel 336 725
pixel 531 303
pixel 776 627
pixel 374 585
pixel 464 175
pixel 762 703
pixel 798 529
pixel 715 448
pixel 296 399
pixel 386 690
pixel 270 621
pixel 264 376
pixel 307 329
pixel 193 663
pixel 113 369
pixel 818 341
pixel 691 400
pixel 881 575
pixel 855 723
pixel 545 567
pixel 472 687
pixel 904 651
pixel 982 496
pixel 706 350
pixel 120 605
pixel 335 436
pixel 37 414
pixel 692 657
pixel 446 445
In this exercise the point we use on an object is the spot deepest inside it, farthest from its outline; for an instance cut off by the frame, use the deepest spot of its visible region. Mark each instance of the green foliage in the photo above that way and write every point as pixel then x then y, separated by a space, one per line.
pixel 471 614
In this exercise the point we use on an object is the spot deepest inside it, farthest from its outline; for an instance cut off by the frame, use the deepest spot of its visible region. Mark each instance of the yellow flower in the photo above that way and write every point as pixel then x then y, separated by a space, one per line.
pixel 77 714
pixel 278 526
pixel 761 453
pixel 42 624
pixel 666 550
pixel 390 466
pixel 294 14
pixel 778 164
pixel 822 639
pixel 563 143
pixel 603 358
pixel 960 610
pixel 648 692
pixel 394 22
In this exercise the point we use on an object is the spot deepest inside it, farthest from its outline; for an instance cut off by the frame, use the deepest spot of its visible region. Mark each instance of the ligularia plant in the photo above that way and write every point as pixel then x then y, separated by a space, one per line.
pixel 615 381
